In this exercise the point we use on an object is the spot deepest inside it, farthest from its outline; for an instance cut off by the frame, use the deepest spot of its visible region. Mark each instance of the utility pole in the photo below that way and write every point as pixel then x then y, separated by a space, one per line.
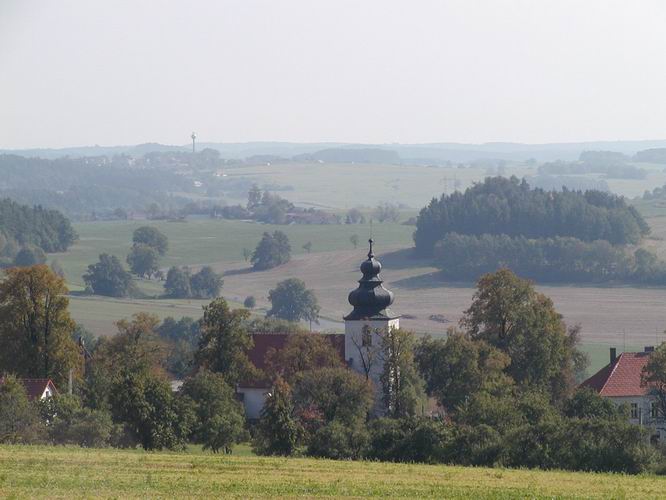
pixel 194 137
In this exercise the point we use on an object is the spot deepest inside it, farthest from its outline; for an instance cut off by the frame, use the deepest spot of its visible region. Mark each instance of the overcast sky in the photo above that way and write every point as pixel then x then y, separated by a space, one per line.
pixel 85 72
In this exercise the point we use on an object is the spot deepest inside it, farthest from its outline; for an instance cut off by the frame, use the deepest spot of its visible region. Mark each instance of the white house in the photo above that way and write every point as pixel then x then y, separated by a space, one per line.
pixel 621 382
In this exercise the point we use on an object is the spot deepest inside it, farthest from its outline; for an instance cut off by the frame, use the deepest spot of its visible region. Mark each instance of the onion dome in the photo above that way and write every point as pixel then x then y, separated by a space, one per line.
pixel 370 300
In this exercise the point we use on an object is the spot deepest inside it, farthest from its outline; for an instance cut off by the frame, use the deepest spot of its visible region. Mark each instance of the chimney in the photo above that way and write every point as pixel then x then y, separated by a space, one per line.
pixel 613 355
pixel 649 348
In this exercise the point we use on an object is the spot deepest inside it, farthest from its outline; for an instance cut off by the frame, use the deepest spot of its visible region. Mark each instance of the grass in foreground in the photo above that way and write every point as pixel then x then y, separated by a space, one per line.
pixel 38 472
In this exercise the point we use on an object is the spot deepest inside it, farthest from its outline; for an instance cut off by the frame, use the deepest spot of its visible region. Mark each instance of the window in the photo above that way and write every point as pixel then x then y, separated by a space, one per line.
pixel 634 410
pixel 654 410
pixel 367 336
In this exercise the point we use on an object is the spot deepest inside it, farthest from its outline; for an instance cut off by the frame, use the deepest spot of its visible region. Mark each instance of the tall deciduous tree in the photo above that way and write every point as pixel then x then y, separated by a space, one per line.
pixel 254 197
pixel 292 301
pixel 302 351
pixel 35 325
pixel 177 283
pixel 108 277
pixel 143 260
pixel 510 315
pixel 273 250
pixel 136 389
pixel 219 416
pixel 457 367
pixel 151 236
pixel 338 393
pixel 225 342
pixel 206 283
pixel 403 387
pixel 279 431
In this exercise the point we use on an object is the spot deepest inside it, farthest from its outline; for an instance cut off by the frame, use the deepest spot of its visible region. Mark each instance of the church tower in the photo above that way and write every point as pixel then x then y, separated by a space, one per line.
pixel 369 319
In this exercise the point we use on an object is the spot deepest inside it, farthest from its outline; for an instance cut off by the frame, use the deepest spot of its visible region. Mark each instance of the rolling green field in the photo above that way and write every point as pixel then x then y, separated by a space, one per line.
pixel 66 472
pixel 206 241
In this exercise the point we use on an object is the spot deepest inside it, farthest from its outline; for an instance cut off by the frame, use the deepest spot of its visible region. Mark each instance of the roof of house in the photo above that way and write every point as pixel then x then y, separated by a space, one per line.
pixel 35 387
pixel 621 378
pixel 263 342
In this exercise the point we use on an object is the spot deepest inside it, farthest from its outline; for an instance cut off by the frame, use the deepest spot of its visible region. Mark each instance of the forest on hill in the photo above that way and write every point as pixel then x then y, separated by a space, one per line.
pixel 32 230
pixel 570 236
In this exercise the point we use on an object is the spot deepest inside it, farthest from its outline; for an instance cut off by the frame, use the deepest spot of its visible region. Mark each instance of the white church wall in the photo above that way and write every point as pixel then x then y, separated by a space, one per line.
pixel 253 400
pixel 355 351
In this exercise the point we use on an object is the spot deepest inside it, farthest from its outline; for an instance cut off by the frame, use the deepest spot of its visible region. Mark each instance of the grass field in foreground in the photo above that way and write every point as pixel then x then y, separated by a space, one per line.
pixel 63 472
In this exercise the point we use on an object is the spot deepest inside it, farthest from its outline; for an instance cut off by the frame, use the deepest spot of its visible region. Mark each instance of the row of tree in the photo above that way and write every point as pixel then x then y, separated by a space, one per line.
pixel 182 284
pixel 505 384
pixel 509 206
pixel 559 259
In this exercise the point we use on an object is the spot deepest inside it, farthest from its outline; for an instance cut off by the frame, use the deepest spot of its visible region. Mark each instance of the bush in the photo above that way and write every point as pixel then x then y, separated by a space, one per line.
pixel 70 423
pixel 414 439
pixel 20 421
pixel 339 441
pixel 250 302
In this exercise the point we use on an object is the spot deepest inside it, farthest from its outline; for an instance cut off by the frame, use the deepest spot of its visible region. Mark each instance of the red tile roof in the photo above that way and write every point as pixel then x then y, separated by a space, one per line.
pixel 265 341
pixel 621 378
pixel 35 387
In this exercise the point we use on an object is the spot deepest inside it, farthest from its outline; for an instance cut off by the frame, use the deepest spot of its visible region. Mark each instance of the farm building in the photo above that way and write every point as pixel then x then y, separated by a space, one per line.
pixel 621 382
pixel 364 325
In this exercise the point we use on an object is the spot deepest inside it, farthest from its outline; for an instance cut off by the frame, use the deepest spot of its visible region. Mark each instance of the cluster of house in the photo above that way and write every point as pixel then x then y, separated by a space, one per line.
pixel 620 380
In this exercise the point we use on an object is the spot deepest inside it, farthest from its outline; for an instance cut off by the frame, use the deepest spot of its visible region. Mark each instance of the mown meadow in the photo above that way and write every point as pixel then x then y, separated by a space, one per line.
pixel 67 472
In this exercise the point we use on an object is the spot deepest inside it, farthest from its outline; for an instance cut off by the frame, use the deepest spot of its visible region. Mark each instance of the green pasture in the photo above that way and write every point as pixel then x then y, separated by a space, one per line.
pixel 66 472
pixel 204 241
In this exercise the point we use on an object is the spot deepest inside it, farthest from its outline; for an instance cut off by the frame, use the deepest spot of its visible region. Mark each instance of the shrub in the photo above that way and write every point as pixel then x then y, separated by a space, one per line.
pixel 340 441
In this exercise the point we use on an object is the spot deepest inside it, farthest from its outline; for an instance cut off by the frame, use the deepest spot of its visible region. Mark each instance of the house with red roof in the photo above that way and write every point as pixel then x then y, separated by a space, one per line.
pixel 621 382
pixel 37 388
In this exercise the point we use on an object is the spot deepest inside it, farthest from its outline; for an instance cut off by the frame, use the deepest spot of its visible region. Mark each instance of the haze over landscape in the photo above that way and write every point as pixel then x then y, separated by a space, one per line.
pixel 82 73
pixel 423 243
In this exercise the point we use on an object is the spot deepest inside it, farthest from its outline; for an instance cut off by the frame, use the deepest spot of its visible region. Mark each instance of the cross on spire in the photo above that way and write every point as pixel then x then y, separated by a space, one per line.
pixel 370 253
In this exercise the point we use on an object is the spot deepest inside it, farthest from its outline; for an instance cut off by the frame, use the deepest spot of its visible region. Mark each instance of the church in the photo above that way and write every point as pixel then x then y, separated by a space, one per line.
pixel 358 347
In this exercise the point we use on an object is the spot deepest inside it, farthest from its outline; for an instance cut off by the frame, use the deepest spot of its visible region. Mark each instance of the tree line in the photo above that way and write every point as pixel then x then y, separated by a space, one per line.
pixel 26 233
pixel 509 206
pixel 558 259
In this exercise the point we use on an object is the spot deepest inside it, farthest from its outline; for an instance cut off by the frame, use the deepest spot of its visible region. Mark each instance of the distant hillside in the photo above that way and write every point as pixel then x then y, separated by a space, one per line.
pixel 433 152
pixel 656 155
pixel 352 155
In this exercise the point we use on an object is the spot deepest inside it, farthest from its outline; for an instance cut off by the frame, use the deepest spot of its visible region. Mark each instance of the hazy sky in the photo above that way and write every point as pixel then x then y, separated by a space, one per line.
pixel 85 72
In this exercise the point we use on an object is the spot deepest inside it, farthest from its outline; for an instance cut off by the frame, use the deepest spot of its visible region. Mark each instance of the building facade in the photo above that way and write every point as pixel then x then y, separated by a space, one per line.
pixel 621 381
